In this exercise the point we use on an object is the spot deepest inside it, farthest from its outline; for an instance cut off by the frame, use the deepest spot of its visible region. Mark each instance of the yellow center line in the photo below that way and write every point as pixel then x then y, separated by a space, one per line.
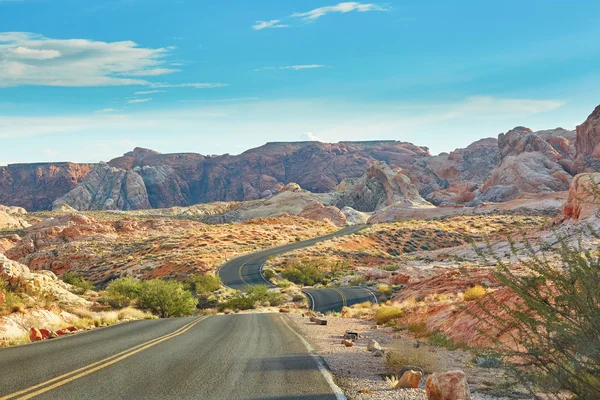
pixel 344 301
pixel 88 369
pixel 240 271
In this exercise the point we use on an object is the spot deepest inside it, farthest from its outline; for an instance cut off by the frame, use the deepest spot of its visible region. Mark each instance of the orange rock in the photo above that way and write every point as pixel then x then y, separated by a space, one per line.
pixel 347 343
pixel 451 385
pixel 410 380
pixel 35 335
pixel 2 298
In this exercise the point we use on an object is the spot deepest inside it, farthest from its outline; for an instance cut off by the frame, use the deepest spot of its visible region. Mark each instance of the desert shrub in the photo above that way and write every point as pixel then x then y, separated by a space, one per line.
pixel 252 297
pixel 474 293
pixel 204 285
pixel 284 284
pixel 387 313
pixel 166 298
pixel 418 329
pixel 78 282
pixel 440 339
pixel 358 281
pixel 298 297
pixel 553 327
pixel 268 274
pixel 123 292
pixel 403 353
pixel 84 323
pixel 133 313
pixel 304 274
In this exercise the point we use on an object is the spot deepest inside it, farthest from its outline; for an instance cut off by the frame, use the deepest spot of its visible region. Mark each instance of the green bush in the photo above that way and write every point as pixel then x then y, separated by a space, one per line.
pixel 304 274
pixel 80 284
pixel 252 297
pixel 552 332
pixel 204 285
pixel 166 298
pixel 161 297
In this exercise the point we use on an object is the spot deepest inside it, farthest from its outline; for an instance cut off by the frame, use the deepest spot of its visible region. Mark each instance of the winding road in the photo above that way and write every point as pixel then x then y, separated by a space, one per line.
pixel 247 270
pixel 250 356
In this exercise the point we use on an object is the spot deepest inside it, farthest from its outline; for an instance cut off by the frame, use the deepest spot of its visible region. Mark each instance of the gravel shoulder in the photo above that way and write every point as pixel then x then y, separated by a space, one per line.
pixel 360 374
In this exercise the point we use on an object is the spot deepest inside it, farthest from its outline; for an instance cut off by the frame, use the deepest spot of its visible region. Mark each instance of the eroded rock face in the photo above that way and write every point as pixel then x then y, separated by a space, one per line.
pixel 380 187
pixel 588 136
pixel 319 212
pixel 35 186
pixel 11 218
pixel 108 188
pixel 583 201
pixel 34 283
pixel 531 162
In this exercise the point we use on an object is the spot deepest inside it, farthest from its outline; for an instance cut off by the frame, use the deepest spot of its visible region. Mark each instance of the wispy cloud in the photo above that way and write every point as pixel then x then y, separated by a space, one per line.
pixel 274 23
pixel 345 7
pixel 316 13
pixel 220 100
pixel 31 59
pixel 134 101
pixel 311 137
pixel 107 110
pixel 294 67
pixel 150 92
pixel 191 85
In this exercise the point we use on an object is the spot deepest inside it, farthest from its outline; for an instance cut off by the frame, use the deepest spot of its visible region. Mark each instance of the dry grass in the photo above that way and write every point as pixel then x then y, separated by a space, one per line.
pixel 474 293
pixel 133 313
pixel 387 313
pixel 403 353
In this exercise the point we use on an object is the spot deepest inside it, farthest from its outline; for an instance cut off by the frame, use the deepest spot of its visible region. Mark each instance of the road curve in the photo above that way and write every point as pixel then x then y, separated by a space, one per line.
pixel 251 356
pixel 247 270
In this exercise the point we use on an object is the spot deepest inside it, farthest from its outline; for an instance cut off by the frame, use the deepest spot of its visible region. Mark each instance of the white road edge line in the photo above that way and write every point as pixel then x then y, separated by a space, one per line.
pixel 373 294
pixel 339 394
pixel 312 300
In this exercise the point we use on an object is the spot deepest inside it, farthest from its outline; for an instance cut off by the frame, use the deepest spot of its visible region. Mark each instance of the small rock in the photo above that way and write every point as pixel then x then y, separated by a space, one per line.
pixel 321 321
pixel 46 334
pixel 378 353
pixel 410 380
pixel 2 298
pixel 347 343
pixel 351 335
pixel 406 368
pixel 35 335
pixel 284 310
pixel 451 385
pixel 373 345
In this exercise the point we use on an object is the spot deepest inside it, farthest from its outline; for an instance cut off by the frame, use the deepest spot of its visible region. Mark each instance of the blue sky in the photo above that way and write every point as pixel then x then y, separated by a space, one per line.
pixel 88 80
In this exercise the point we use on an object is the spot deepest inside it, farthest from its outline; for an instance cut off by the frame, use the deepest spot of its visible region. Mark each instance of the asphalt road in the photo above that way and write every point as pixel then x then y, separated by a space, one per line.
pixel 246 270
pixel 249 356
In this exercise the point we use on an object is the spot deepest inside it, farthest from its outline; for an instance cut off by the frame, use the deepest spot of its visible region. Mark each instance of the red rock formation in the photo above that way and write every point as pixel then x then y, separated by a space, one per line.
pixel 583 198
pixel 588 136
pixel 319 212
pixel 35 186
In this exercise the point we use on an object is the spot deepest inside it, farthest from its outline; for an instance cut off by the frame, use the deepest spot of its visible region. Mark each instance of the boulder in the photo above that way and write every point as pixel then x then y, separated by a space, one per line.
pixel 406 368
pixel 373 345
pixel 47 334
pixel 451 385
pixel 409 380
pixel 354 217
pixel 378 353
pixel 351 335
pixel 35 335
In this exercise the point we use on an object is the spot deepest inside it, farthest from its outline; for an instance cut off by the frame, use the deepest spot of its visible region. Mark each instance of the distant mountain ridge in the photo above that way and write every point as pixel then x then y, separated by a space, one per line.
pixel 520 162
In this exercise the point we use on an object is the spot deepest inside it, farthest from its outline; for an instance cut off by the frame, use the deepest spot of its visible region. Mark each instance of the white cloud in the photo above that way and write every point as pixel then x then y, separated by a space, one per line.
pixel 135 101
pixel 51 153
pixel 107 110
pixel 31 59
pixel 220 100
pixel 345 7
pixel 274 23
pixel 294 67
pixel 309 136
pixel 150 92
pixel 192 85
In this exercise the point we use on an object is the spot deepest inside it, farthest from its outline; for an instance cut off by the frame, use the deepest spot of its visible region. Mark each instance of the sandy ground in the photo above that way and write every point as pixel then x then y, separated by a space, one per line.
pixel 358 372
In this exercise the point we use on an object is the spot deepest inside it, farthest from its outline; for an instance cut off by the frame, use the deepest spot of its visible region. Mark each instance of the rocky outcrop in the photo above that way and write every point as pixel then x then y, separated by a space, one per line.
pixel 380 187
pixel 34 283
pixel 11 218
pixel 530 163
pixel 108 188
pixel 319 212
pixel 456 177
pixel 588 143
pixel 584 198
pixel 35 186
